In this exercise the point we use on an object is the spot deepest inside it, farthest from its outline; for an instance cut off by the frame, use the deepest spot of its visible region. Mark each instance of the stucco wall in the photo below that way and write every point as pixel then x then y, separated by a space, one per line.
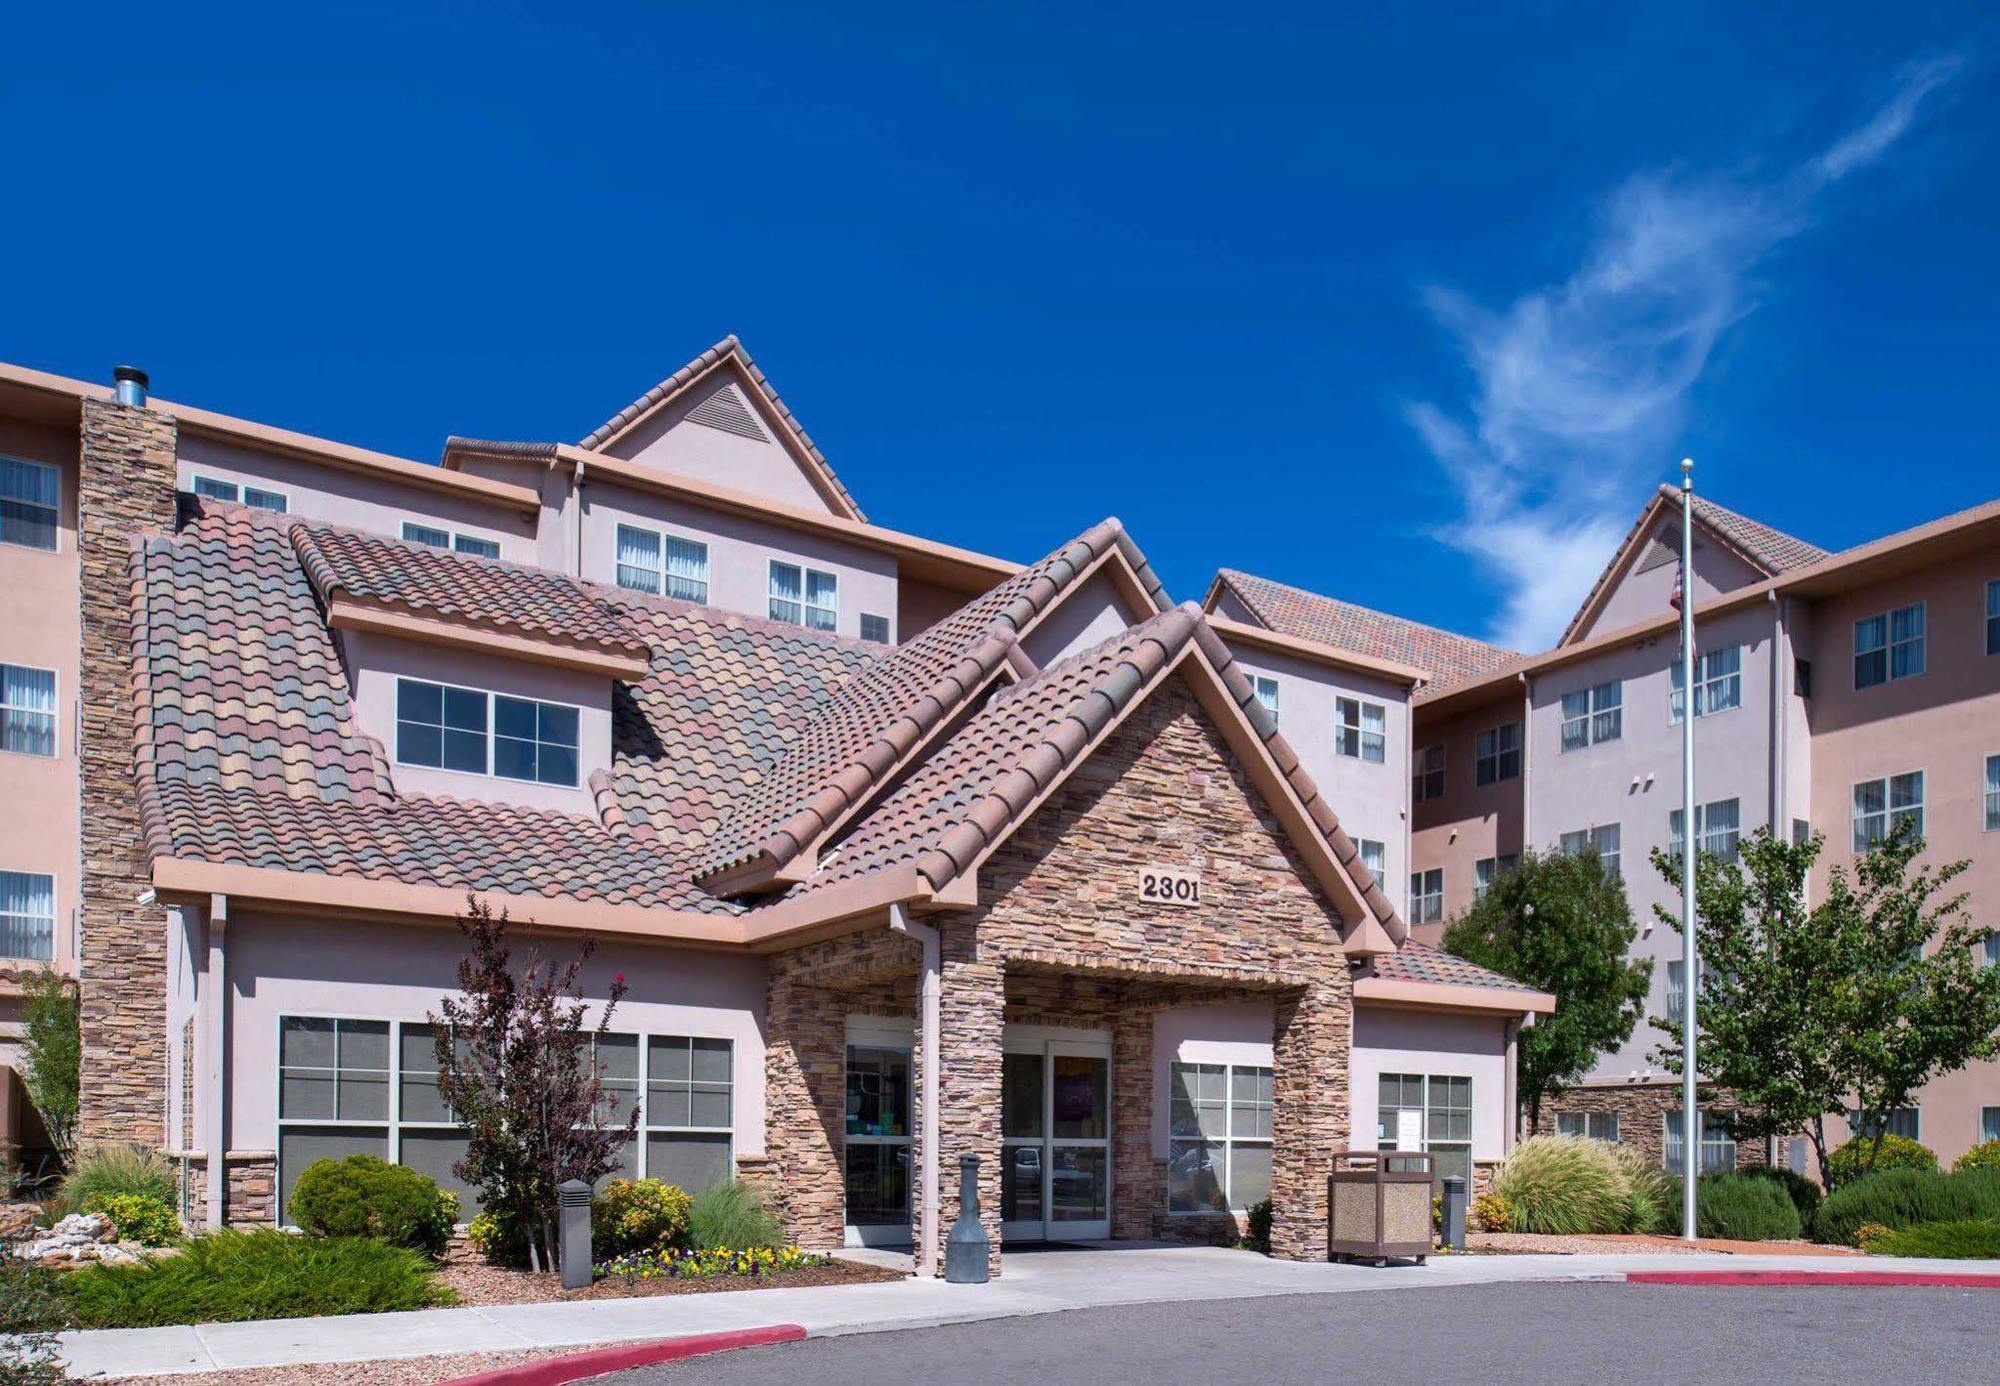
pixel 672 442
pixel 1635 781
pixel 342 497
pixel 1452 1046
pixel 1471 821
pixel 341 967
pixel 1639 596
pixel 1371 799
pixel 1088 616
pixel 1945 722
pixel 39 628
pixel 740 551
pixel 375 662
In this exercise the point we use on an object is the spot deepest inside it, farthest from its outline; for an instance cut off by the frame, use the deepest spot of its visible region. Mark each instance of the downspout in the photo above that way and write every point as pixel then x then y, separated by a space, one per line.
pixel 1527 760
pixel 576 547
pixel 930 1026
pixel 214 1000
pixel 1779 828
pixel 1510 1129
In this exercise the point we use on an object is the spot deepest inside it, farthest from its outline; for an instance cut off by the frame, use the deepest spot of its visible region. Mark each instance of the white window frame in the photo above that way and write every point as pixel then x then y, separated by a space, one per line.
pixel 883 638
pixel 804 603
pixel 1707 835
pixel 1593 715
pixel 1491 753
pixel 662 578
pixel 1487 870
pixel 1598 835
pixel 394 1124
pixel 239 492
pixel 1889 645
pixel 1890 812
pixel 1266 689
pixel 1705 1162
pixel 55 511
pixel 1424 771
pixel 1913 1128
pixel 1993 616
pixel 1228 1140
pixel 1710 686
pixel 53 713
pixel 1380 866
pixel 1358 710
pixel 1582 1122
pixel 1992 798
pixel 1989 1124
pixel 55 912
pixel 1430 1143
pixel 489 695
pixel 1426 903
pixel 454 539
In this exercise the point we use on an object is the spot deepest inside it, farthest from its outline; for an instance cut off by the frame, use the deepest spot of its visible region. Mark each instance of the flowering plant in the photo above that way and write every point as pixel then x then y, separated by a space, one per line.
pixel 706 1264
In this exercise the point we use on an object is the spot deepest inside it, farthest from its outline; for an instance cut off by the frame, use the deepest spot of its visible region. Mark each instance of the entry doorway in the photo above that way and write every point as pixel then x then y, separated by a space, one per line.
pixel 1055 1130
pixel 878 1147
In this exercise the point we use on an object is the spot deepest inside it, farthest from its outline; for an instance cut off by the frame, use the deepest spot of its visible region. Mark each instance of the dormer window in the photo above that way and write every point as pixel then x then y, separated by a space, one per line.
pixel 804 596
pixel 257 499
pixel 444 727
pixel 651 560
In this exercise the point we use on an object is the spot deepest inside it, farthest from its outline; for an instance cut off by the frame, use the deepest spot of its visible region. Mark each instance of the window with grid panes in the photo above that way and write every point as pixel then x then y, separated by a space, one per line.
pixel 1591 715
pixel 1219 1146
pixel 1718 829
pixel 1598 1126
pixel 1360 730
pixel 1427 896
pixel 1889 646
pixel 1427 774
pixel 1718 683
pixel 690 1085
pixel 1882 806
pixel 1496 754
pixel 30 503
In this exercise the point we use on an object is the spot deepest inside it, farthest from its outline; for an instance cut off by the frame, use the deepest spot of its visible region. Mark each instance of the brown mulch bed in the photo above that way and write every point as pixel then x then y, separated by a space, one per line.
pixel 477 1283
pixel 1525 1243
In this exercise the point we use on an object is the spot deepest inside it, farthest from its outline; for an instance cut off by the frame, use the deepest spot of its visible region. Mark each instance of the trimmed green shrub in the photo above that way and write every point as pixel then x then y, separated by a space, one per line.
pixel 1564 1185
pixel 1905 1197
pixel 1850 1161
pixel 732 1216
pixel 107 1171
pixel 142 1218
pixel 1805 1194
pixel 230 1276
pixel 1258 1237
pixel 362 1196
pixel 33 1310
pixel 1948 1240
pixel 1985 1155
pixel 497 1237
pixel 631 1215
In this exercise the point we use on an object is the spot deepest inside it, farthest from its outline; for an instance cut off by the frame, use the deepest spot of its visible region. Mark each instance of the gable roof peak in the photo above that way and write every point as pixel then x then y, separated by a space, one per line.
pixel 730 348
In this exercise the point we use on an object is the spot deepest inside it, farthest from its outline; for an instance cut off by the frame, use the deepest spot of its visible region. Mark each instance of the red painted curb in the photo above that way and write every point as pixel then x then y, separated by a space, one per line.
pixel 577 1365
pixel 1960 1280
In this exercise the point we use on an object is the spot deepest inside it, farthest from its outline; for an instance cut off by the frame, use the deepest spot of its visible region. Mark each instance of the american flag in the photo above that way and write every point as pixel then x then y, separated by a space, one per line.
pixel 1675 600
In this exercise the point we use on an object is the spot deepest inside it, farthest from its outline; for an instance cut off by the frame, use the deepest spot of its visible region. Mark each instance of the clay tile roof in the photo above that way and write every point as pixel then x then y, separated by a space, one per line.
pixel 1307 615
pixel 976 787
pixel 728 346
pixel 1419 962
pixel 415 577
pixel 1773 550
pixel 874 720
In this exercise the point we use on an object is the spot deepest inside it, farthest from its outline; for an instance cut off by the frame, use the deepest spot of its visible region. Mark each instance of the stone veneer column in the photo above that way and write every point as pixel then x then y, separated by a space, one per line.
pixel 1309 1114
pixel 805 1076
pixel 973 1022
pixel 125 488
pixel 1137 1193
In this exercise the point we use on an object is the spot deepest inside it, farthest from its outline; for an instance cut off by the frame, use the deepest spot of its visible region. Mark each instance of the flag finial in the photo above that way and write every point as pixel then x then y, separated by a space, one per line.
pixel 1687 472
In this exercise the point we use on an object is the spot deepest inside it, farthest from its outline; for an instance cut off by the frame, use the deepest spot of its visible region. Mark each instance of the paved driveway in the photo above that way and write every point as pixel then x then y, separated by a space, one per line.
pixel 1533 1334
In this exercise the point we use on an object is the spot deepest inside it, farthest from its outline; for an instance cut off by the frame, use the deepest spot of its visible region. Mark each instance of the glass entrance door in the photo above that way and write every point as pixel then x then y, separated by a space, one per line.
pixel 878 1144
pixel 1055 1127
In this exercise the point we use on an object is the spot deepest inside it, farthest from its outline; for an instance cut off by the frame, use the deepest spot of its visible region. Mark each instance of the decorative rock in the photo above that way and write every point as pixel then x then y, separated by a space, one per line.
pixel 77 1238
pixel 17 1221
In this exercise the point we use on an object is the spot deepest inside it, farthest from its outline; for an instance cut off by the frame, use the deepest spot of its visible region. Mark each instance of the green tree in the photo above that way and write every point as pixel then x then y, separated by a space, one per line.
pixel 52 1055
pixel 1560 922
pixel 517 1068
pixel 1860 998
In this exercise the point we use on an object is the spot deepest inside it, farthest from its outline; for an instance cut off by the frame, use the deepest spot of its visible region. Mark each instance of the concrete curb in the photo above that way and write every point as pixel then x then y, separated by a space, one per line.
pixel 576 1366
pixel 1958 1280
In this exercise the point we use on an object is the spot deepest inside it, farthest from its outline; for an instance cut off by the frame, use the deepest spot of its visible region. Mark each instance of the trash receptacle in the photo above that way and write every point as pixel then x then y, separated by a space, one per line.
pixel 1378 1205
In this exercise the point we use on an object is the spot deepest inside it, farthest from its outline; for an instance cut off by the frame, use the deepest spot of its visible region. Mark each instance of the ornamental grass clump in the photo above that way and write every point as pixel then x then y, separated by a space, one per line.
pixel 231 1276
pixel 1565 1186
pixel 732 1215
pixel 1654 1200
pixel 107 1171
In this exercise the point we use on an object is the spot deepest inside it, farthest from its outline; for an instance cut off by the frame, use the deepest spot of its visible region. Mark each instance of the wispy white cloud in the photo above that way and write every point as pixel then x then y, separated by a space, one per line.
pixel 1580 388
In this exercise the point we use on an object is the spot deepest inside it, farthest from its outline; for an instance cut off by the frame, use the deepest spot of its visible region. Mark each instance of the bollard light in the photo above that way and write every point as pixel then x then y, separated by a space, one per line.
pixel 573 1205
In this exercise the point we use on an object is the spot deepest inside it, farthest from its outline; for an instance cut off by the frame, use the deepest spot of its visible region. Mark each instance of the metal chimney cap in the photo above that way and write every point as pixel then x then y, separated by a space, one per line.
pixel 121 374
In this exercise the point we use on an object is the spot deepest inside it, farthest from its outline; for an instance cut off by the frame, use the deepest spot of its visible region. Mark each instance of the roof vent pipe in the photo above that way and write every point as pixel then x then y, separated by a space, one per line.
pixel 131 383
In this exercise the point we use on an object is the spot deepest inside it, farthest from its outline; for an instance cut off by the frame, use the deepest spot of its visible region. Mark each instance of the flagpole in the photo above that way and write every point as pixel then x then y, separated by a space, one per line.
pixel 1690 837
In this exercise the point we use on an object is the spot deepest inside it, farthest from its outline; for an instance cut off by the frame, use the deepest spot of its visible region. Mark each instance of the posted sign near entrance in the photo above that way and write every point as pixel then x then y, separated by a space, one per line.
pixel 1167 886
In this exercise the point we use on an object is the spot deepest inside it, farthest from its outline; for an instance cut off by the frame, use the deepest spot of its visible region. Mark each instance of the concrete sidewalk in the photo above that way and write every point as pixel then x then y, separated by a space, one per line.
pixel 1036 1282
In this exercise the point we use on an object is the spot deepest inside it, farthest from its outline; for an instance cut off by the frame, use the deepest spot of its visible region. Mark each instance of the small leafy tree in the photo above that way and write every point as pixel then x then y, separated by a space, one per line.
pixel 1861 998
pixel 52 1055
pixel 516 1065
pixel 1560 922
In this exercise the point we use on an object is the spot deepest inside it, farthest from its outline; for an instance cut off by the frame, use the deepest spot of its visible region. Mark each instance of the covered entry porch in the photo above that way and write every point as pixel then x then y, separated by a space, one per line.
pixel 1134 1103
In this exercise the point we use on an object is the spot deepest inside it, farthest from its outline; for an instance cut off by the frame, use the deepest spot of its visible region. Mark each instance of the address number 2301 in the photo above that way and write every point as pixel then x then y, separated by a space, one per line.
pixel 1170 887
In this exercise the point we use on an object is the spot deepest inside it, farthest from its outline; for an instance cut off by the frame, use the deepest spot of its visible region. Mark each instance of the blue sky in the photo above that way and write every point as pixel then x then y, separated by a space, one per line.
pixel 1408 304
